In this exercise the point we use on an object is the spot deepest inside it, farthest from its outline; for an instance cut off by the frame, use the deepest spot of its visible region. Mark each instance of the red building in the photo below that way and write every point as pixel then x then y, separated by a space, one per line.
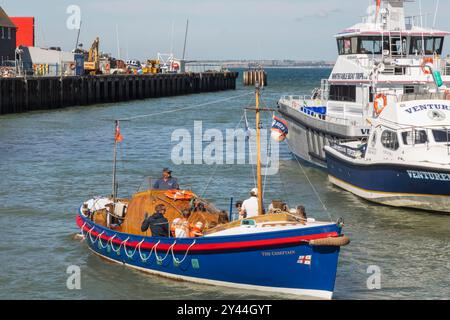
pixel 25 31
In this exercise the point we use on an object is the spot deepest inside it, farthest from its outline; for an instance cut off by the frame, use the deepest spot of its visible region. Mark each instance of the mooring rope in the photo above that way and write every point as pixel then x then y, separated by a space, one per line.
pixel 186 108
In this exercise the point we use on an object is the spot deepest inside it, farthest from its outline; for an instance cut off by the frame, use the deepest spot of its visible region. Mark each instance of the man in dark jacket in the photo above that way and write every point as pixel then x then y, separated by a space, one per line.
pixel 158 224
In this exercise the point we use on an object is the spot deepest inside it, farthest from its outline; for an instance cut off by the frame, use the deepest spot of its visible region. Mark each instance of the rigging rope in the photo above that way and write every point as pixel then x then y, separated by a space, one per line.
pixel 186 108
pixel 216 166
pixel 311 184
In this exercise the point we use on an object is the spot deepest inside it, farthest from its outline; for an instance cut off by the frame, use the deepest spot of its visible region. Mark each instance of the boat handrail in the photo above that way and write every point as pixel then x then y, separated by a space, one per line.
pixel 324 117
pixel 402 127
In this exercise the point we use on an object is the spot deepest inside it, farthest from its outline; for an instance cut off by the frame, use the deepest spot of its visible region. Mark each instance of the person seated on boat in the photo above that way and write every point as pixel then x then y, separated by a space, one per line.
pixel 181 230
pixel 157 223
pixel 300 212
pixel 250 206
pixel 196 230
pixel 277 206
pixel 166 182
pixel 235 215
pixel 186 213
pixel 175 224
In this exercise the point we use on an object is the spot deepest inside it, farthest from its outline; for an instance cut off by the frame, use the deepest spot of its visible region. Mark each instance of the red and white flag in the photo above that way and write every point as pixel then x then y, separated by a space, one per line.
pixel 118 136
pixel 304 260
pixel 378 7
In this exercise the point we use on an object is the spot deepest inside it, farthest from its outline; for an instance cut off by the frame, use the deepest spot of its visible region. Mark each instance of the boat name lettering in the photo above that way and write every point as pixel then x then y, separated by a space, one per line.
pixel 277 253
pixel 428 175
pixel 431 106
pixel 348 76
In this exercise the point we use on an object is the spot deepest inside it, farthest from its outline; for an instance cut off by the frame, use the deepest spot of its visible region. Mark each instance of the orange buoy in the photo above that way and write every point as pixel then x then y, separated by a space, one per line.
pixel 425 62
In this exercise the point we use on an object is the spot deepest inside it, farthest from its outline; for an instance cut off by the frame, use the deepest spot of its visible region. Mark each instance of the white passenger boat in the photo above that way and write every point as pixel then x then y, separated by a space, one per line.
pixel 386 60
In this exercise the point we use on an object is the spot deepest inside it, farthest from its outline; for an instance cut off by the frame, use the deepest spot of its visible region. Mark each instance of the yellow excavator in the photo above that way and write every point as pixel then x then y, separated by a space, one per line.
pixel 92 65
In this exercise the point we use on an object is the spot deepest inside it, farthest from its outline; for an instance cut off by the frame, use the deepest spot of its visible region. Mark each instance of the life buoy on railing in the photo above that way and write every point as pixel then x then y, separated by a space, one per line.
pixel 379 99
pixel 175 66
pixel 426 69
pixel 179 194
pixel 72 66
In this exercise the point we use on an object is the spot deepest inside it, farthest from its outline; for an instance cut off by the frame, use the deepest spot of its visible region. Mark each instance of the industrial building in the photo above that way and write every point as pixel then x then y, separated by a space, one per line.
pixel 25 35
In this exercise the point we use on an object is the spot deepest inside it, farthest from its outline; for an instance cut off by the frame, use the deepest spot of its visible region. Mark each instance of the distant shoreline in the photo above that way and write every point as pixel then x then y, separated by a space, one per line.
pixel 282 67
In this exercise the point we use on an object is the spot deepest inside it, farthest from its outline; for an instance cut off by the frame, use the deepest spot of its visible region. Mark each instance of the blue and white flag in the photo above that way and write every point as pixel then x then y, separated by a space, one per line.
pixel 279 129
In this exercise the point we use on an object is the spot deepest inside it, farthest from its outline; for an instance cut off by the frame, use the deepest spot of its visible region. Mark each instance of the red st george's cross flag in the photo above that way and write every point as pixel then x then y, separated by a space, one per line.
pixel 304 260
pixel 118 137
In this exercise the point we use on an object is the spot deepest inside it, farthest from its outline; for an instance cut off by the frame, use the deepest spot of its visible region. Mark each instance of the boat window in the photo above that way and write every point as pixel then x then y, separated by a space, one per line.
pixel 347 45
pixel 370 45
pixel 389 140
pixel 414 137
pixel 340 43
pixel 441 135
pixel 408 89
pixel 342 93
pixel 432 45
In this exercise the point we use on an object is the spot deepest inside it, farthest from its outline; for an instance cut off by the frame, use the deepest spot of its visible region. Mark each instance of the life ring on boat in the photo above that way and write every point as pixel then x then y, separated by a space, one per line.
pixel 376 103
pixel 72 66
pixel 179 194
pixel 425 65
pixel 175 66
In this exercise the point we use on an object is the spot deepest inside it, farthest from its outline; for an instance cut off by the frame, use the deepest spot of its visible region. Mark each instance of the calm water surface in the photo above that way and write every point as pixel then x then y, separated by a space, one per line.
pixel 51 161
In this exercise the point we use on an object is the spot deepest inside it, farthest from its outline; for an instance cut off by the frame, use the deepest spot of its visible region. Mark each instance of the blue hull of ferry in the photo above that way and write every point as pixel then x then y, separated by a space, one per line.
pixel 425 187
pixel 268 261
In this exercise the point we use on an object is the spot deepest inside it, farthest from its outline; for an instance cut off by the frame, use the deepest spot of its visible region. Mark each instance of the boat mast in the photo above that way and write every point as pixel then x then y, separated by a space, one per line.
pixel 117 138
pixel 258 151
pixel 115 162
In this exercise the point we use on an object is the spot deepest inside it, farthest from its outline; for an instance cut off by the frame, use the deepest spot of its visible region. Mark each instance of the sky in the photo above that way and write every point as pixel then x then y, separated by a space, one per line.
pixel 218 29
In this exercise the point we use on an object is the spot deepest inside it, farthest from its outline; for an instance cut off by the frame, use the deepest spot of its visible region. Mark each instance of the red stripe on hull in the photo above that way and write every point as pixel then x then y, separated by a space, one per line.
pixel 215 246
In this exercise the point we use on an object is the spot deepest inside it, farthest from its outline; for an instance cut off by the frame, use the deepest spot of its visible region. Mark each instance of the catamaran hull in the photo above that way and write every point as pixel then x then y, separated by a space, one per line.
pixel 309 135
pixel 394 185
pixel 277 261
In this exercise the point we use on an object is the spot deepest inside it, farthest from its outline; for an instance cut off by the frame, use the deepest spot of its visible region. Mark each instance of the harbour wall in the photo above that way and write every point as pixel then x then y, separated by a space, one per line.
pixel 42 93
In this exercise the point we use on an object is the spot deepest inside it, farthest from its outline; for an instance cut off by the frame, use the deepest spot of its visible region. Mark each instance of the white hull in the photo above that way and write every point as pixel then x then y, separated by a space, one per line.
pixel 415 201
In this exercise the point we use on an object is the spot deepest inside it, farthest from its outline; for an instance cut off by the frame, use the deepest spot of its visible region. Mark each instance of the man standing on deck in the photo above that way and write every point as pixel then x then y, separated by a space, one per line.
pixel 158 224
pixel 166 182
pixel 250 206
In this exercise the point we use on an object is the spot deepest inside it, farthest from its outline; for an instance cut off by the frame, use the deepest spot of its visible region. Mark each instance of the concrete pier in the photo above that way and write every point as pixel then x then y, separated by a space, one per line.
pixel 41 93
